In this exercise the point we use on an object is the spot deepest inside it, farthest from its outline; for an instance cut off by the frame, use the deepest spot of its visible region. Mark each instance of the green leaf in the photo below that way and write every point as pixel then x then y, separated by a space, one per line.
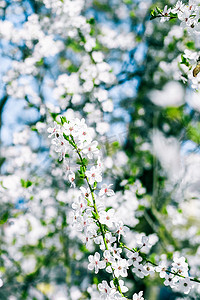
pixel 95 185
pixel 33 128
pixel 174 113
pixel 164 211
pixel 190 45
pixel 159 10
pixel 40 62
pixel 169 255
pixel 193 133
pixel 91 21
pixel 4 218
pixel 85 161
pixel 184 61
pixel 1 183
pixel 54 115
pixel 94 214
pixel 152 258
pixel 141 207
pixel 63 120
pixel 128 2
pixel 66 136
pixel 26 184
pixel 95 280
pixel 2 160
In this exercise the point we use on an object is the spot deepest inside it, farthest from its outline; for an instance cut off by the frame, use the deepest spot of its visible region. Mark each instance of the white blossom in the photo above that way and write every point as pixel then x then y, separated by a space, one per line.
pixel 94 174
pixel 96 263
pixel 108 218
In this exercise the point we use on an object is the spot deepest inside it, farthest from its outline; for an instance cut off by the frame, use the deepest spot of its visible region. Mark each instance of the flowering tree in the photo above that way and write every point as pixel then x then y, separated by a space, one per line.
pixel 99 150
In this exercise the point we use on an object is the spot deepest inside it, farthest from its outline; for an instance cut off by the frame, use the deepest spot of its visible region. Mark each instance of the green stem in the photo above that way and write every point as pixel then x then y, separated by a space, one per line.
pixel 97 214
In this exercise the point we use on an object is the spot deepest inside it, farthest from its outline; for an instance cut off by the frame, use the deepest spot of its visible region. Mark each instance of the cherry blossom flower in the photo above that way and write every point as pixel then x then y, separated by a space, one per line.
pixel 138 296
pixel 184 285
pixel 89 236
pixel 123 288
pixel 79 204
pixel 144 244
pixel 75 217
pixel 120 267
pixel 66 168
pixel 60 146
pixel 178 9
pixel 116 251
pixel 99 163
pixel 169 280
pixel 70 128
pixel 121 229
pixel 133 257
pixel 108 257
pixel 95 263
pixel 179 265
pixel 161 269
pixel 106 191
pixel 86 193
pixel 165 14
pixel 108 217
pixel 149 268
pixel 72 178
pixel 91 149
pixel 55 130
pixel 84 134
pixel 109 240
pixel 94 175
pixel 105 290
pixel 139 270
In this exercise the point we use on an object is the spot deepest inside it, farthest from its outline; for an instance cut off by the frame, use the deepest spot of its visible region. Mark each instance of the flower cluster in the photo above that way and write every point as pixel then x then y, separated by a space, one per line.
pixel 178 277
pixel 188 14
pixel 101 226
pixel 89 215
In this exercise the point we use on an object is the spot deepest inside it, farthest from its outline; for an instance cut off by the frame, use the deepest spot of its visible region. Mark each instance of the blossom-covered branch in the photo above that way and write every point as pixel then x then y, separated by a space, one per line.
pixel 101 225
